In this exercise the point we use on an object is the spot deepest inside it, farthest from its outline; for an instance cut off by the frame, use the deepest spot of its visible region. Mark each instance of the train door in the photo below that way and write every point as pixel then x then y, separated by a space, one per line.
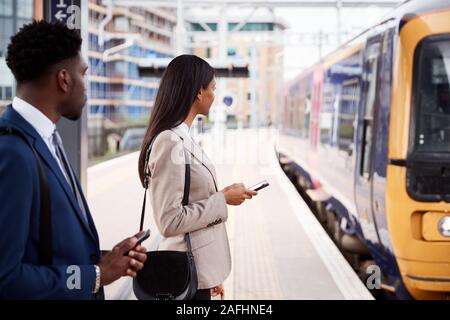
pixel 366 138
pixel 316 103
pixel 380 151
pixel 315 125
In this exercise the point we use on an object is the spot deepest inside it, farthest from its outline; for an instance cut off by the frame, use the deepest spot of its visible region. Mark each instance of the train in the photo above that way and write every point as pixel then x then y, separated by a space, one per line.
pixel 365 136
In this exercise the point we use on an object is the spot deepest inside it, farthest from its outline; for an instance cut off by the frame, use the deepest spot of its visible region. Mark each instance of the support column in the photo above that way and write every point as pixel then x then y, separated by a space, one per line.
pixel 339 21
pixel 254 115
pixel 180 29
pixel 38 9
pixel 220 114
pixel 74 133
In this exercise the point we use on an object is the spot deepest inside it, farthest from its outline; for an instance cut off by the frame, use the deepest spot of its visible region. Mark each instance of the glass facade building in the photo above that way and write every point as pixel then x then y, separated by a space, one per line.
pixel 116 91
pixel 117 38
pixel 13 15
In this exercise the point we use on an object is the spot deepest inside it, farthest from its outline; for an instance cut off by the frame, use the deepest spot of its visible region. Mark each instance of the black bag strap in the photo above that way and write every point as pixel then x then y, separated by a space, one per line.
pixel 187 184
pixel 45 226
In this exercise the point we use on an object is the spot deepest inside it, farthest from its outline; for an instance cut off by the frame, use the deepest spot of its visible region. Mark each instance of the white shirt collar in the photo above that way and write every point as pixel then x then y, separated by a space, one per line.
pixel 183 126
pixel 185 129
pixel 43 125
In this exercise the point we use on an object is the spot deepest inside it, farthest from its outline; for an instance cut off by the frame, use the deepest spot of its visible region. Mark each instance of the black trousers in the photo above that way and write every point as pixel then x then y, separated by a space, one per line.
pixel 202 294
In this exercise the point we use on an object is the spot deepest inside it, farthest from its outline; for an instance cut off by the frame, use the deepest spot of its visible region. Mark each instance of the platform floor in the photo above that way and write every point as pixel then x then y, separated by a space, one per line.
pixel 279 250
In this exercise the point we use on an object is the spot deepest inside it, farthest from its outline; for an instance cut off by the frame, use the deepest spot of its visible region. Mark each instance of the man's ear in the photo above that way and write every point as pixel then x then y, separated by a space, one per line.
pixel 63 80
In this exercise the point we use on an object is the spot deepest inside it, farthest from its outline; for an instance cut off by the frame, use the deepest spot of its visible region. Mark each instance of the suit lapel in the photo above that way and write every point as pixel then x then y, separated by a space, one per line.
pixel 40 146
pixel 42 149
pixel 196 151
pixel 91 223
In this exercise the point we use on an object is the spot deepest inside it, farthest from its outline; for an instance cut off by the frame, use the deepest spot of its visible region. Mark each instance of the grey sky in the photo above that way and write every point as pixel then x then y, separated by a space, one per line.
pixel 298 56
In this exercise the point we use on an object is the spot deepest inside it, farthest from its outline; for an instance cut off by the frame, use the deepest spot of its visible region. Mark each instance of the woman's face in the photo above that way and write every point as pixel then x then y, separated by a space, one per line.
pixel 206 98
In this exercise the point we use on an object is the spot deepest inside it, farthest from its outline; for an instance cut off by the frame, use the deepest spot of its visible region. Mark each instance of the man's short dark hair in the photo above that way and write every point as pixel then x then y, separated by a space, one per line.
pixel 38 46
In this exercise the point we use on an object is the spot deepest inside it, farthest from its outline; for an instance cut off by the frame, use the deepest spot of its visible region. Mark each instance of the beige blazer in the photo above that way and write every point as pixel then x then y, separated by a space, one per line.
pixel 204 218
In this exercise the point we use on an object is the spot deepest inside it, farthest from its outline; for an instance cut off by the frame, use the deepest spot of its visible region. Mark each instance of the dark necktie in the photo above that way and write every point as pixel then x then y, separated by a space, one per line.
pixel 57 143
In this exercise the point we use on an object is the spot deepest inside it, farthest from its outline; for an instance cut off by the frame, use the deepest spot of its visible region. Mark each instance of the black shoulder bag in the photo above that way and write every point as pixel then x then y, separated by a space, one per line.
pixel 45 226
pixel 167 275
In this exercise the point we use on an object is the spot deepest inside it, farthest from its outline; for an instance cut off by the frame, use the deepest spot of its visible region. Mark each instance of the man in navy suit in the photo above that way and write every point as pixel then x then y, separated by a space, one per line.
pixel 45 60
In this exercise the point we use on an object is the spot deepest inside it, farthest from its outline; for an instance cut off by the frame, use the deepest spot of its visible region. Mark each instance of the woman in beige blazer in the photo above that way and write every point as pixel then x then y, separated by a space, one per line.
pixel 186 90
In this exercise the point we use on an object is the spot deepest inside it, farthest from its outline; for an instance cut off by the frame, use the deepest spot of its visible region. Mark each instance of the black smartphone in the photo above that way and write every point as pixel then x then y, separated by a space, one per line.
pixel 259 185
pixel 142 238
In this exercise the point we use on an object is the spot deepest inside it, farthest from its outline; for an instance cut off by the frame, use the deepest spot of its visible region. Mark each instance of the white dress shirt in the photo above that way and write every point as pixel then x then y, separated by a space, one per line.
pixel 183 126
pixel 43 125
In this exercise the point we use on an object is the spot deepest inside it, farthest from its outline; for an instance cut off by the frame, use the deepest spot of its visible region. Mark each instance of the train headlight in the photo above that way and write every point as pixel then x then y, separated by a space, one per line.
pixel 444 226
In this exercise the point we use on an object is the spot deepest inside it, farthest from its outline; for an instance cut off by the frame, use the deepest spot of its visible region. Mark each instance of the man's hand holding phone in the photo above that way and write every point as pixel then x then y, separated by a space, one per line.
pixel 125 259
pixel 141 238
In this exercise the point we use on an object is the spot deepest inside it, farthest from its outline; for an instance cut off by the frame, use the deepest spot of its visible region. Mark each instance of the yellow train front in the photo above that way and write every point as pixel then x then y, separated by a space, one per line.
pixel 366 134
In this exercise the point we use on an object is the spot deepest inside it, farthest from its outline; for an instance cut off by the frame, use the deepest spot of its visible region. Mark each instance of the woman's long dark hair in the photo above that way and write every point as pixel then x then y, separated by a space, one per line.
pixel 180 83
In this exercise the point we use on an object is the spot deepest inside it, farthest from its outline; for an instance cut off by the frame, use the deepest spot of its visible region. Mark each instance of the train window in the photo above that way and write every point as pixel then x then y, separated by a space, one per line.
pixel 370 89
pixel 291 114
pixel 427 176
pixel 307 117
pixel 431 106
pixel 326 114
pixel 347 111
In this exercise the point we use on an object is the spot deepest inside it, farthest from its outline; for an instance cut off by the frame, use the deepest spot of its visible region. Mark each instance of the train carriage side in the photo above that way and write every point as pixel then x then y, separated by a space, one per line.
pixel 375 155
pixel 322 147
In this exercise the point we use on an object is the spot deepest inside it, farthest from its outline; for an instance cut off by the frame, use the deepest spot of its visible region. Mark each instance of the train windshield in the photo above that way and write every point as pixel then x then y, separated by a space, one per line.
pixel 431 96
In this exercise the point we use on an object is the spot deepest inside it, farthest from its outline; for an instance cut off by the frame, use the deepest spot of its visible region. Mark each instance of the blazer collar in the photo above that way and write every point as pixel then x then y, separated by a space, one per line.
pixel 43 125
pixel 196 151
pixel 15 118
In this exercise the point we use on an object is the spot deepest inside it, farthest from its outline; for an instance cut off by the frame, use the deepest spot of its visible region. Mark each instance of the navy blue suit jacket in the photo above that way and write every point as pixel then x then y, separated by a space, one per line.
pixel 75 242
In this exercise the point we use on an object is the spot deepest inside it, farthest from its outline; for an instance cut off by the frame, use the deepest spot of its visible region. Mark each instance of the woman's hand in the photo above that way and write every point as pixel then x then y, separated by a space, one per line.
pixel 237 193
pixel 218 290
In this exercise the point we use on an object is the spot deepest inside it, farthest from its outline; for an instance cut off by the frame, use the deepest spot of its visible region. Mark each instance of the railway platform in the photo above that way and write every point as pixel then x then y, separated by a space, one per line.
pixel 279 249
